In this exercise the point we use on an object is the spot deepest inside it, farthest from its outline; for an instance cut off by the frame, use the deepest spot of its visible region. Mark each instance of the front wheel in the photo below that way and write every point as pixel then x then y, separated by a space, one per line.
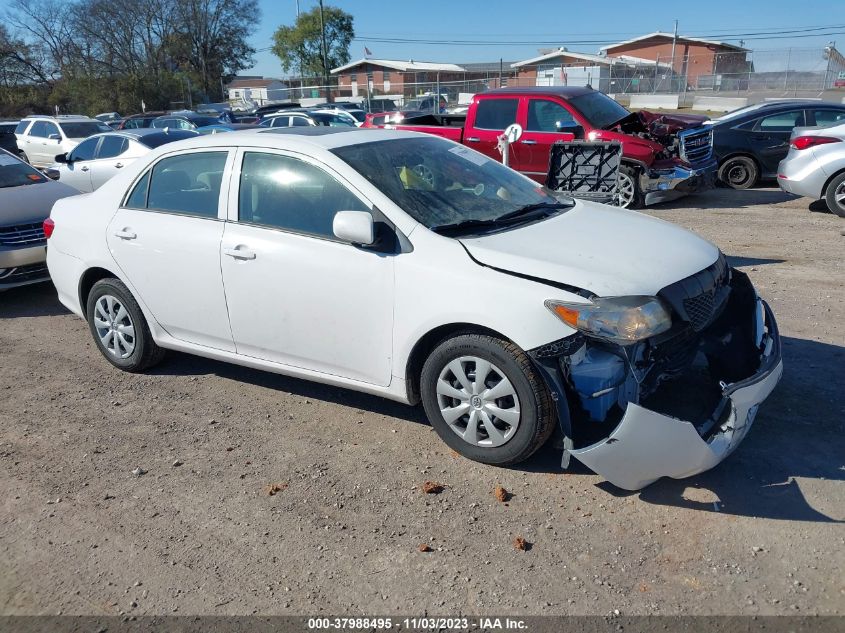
pixel 119 327
pixel 834 195
pixel 629 195
pixel 484 399
pixel 23 157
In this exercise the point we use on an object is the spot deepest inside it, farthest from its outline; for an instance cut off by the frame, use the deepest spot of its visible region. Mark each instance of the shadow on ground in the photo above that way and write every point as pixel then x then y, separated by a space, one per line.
pixel 726 198
pixel 35 300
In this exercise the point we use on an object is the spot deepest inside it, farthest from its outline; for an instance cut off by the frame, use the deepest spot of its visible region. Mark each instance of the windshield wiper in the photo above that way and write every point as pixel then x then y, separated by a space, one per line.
pixel 521 212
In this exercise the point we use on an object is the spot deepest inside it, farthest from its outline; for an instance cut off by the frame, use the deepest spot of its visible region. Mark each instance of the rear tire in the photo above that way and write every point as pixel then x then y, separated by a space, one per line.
pixel 24 157
pixel 739 172
pixel 503 416
pixel 834 195
pixel 119 328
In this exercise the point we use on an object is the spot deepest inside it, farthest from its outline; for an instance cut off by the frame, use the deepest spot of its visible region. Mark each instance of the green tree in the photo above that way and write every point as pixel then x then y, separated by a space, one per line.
pixel 302 43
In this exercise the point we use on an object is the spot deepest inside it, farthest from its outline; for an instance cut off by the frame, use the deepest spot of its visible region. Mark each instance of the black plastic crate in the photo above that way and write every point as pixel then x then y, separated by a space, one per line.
pixel 585 169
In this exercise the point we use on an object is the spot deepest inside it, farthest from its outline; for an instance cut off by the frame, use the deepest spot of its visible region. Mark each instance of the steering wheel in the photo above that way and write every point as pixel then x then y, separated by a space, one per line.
pixel 425 174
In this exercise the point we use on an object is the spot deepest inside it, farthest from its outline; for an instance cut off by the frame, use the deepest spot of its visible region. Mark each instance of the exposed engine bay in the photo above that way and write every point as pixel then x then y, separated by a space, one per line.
pixel 659 128
pixel 721 337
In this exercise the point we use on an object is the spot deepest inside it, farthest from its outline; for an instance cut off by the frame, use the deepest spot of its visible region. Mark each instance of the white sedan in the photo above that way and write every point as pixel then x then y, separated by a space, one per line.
pixel 408 266
pixel 101 156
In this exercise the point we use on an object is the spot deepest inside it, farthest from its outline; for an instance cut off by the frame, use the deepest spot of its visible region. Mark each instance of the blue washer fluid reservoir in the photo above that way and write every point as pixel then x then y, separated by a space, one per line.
pixel 598 370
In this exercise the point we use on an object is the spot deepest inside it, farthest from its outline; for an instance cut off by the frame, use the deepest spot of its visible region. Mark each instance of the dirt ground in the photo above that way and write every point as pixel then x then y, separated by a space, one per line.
pixel 199 533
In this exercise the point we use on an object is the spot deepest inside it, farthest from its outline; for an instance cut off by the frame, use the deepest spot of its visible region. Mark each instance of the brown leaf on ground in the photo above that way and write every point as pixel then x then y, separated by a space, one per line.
pixel 424 547
pixel 271 489
pixel 502 494
pixel 432 488
pixel 521 544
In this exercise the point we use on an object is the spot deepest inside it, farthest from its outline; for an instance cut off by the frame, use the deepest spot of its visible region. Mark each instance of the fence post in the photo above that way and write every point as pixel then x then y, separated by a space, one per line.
pixel 786 73
pixel 656 73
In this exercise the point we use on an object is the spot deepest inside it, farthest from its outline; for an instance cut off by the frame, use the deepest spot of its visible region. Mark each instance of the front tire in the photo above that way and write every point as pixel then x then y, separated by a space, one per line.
pixel 629 195
pixel 834 195
pixel 484 399
pixel 23 157
pixel 739 172
pixel 119 328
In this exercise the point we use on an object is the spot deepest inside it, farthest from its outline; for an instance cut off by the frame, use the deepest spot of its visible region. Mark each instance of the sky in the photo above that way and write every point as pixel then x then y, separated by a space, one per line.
pixel 514 29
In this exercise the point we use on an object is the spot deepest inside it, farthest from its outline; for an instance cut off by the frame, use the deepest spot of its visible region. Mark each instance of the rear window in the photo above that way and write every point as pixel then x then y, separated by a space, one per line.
pixel 84 129
pixel 495 114
pixel 14 173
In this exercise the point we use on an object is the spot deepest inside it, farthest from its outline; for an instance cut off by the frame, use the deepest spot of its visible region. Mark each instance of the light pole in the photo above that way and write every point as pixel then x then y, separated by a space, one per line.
pixel 325 55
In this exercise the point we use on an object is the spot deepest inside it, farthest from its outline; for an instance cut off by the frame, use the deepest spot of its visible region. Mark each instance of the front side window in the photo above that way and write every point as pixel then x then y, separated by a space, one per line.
pixel 495 114
pixel 299 121
pixel 85 150
pixel 286 193
pixel 546 116
pixel 440 183
pixel 112 146
pixel 188 184
pixel 781 122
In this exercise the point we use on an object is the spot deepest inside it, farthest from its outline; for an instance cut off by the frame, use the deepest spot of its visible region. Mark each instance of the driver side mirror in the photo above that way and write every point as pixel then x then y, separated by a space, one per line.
pixel 570 127
pixel 63 158
pixel 355 227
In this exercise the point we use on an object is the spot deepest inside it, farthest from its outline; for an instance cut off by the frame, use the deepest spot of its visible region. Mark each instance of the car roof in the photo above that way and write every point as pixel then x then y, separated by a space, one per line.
pixel 62 118
pixel 300 138
pixel 557 91
pixel 185 115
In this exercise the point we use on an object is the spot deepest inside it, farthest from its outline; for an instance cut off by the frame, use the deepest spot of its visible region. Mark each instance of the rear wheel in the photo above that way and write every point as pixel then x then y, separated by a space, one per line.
pixel 739 172
pixel 484 399
pixel 119 327
pixel 23 157
pixel 834 195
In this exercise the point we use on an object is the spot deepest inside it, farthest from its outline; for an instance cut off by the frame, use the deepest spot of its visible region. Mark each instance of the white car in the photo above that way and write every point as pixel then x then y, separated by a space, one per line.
pixel 411 267
pixel 96 159
pixel 815 165
pixel 41 138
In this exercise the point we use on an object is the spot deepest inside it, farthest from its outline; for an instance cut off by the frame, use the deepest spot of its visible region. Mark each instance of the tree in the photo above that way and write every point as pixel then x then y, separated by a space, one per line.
pixel 302 43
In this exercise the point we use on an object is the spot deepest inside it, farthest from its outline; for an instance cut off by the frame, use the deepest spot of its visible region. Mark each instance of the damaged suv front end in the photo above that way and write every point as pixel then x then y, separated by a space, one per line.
pixel 663 386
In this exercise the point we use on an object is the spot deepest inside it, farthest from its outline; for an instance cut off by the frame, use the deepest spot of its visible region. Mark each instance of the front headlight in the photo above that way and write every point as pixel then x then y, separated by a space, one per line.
pixel 623 320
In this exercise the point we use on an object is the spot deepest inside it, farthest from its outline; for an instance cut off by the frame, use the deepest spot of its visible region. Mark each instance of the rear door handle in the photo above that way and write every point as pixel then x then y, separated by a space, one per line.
pixel 528 142
pixel 118 166
pixel 239 253
pixel 84 169
pixel 473 139
pixel 125 234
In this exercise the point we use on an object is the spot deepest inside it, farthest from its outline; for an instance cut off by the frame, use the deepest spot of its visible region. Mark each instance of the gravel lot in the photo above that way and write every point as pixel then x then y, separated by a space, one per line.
pixel 199 533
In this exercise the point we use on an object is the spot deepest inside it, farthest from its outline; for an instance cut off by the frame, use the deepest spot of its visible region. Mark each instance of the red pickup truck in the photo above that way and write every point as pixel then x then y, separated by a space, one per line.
pixel 663 156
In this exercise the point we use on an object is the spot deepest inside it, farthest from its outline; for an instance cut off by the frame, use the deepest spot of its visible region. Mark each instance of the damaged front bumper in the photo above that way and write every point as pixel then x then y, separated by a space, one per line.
pixel 646 445
pixel 662 184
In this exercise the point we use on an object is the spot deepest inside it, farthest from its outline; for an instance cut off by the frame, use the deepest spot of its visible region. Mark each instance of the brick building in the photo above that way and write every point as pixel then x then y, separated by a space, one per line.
pixel 392 77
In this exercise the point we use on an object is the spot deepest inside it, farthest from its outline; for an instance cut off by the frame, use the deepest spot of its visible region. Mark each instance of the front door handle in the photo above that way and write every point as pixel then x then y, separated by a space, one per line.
pixel 473 139
pixel 125 234
pixel 239 253
pixel 528 142
pixel 118 166
pixel 83 169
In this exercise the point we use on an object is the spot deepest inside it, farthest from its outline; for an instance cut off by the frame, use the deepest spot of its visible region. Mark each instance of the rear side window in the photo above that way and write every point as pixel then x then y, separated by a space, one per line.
pixel 112 146
pixel 299 121
pixel 827 117
pixel 188 184
pixel 495 114
pixel 286 193
pixel 138 198
pixel 781 122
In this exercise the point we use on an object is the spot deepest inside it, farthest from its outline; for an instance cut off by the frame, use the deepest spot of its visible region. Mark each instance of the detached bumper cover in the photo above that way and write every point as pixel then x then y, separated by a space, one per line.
pixel 646 445
pixel 659 185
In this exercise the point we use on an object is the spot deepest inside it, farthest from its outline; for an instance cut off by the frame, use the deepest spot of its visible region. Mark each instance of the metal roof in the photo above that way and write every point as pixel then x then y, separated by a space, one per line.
pixel 680 38
pixel 403 66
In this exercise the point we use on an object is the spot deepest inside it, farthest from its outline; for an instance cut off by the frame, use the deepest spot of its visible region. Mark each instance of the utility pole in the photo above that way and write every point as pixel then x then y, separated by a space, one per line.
pixel 672 63
pixel 301 77
pixel 325 55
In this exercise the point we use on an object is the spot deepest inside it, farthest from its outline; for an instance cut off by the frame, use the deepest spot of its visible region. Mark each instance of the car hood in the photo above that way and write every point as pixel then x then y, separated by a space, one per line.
pixel 28 204
pixel 608 251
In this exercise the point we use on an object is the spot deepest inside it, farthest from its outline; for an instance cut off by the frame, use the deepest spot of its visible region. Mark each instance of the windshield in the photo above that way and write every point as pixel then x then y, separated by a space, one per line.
pixel 600 110
pixel 441 183
pixel 332 120
pixel 14 173
pixel 83 129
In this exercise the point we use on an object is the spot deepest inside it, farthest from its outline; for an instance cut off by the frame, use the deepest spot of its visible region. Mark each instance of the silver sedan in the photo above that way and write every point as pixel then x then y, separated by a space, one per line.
pixel 815 165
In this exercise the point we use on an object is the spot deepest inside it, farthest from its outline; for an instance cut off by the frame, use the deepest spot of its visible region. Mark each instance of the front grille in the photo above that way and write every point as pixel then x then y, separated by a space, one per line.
pixel 699 298
pixel 32 272
pixel 696 145
pixel 22 235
